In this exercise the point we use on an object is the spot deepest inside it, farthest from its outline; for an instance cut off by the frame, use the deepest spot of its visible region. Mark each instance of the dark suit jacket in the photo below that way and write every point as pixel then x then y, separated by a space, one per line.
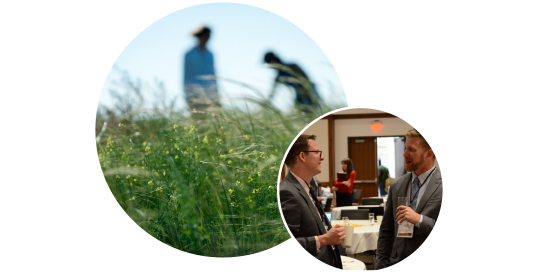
pixel 303 218
pixel 390 249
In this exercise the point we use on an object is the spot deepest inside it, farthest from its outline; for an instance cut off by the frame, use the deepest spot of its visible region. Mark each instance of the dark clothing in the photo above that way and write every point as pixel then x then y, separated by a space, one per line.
pixel 344 199
pixel 306 94
pixel 305 220
pixel 392 249
pixel 383 175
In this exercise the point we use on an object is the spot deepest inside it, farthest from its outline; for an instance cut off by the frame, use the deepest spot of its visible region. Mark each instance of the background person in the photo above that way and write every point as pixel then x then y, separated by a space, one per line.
pixel 293 76
pixel 301 209
pixel 383 175
pixel 325 193
pixel 200 86
pixel 344 190
pixel 423 189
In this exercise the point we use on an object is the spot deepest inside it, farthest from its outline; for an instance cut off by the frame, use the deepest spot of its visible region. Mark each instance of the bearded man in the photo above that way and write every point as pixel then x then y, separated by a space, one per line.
pixel 405 227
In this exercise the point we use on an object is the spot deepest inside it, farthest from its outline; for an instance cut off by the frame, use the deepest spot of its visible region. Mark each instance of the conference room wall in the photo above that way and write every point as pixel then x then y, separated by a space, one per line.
pixel 345 128
pixel 320 129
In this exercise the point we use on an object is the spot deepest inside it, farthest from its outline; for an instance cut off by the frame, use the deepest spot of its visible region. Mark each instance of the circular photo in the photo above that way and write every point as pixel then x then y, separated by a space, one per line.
pixel 360 189
pixel 195 117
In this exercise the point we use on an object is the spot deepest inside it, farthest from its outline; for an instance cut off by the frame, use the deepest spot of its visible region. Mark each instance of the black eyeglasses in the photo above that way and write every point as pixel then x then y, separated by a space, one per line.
pixel 320 152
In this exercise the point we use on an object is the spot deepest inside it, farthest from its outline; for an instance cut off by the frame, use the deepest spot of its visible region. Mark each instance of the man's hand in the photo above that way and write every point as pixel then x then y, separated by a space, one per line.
pixel 334 236
pixel 405 213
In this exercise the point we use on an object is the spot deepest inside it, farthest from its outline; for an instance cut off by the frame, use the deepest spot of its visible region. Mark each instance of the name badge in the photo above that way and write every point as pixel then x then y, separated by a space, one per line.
pixel 405 230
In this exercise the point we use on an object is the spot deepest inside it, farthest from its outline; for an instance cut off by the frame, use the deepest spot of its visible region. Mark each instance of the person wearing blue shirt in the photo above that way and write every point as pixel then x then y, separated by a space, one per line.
pixel 199 75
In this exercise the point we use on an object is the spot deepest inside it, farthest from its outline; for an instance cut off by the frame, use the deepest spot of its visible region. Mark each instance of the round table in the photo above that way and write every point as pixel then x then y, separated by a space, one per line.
pixel 352 263
pixel 336 211
pixel 364 238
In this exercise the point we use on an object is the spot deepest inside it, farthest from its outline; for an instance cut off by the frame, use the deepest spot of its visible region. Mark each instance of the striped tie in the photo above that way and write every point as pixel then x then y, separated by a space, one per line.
pixel 414 191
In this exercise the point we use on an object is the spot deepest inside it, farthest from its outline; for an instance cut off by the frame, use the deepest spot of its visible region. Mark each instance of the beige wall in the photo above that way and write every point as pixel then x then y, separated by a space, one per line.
pixel 345 128
pixel 320 129
pixel 362 128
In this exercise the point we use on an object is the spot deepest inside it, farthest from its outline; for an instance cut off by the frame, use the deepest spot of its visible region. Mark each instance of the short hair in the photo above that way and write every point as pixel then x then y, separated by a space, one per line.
pixel 301 144
pixel 200 31
pixel 423 143
pixel 350 167
pixel 270 57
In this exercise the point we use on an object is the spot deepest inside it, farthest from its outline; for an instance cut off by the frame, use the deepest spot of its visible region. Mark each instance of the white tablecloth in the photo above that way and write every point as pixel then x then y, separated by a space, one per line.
pixel 352 263
pixel 336 211
pixel 364 238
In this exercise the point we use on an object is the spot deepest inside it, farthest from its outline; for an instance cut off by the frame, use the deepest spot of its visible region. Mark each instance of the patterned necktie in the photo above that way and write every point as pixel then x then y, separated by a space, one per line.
pixel 337 257
pixel 414 191
pixel 317 205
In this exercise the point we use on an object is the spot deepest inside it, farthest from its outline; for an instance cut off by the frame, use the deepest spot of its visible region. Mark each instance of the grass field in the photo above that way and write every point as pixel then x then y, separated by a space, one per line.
pixel 207 185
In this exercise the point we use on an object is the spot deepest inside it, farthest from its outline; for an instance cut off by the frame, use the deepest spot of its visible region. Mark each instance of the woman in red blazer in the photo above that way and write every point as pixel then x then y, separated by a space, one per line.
pixel 344 189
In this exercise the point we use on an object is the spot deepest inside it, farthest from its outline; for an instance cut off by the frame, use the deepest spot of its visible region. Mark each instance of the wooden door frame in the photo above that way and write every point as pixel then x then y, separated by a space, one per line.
pixel 378 136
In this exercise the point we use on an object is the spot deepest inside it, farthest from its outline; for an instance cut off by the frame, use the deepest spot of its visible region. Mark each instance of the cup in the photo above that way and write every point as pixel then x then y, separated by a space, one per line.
pixel 403 201
pixel 371 219
pixel 379 219
pixel 349 231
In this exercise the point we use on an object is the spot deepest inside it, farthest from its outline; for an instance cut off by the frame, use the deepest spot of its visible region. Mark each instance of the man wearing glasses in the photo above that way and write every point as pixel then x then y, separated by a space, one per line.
pixel 301 210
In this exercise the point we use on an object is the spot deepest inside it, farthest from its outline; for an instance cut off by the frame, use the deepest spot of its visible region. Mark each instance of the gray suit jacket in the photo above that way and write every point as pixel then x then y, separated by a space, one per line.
pixel 303 218
pixel 390 249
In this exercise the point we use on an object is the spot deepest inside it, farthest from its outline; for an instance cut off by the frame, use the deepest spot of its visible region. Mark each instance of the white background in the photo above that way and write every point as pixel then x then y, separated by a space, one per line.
pixel 465 73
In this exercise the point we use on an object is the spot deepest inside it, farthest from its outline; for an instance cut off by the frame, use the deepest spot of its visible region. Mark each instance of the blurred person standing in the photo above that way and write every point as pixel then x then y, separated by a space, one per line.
pixel 293 76
pixel 344 190
pixel 422 187
pixel 301 209
pixel 324 193
pixel 383 175
pixel 200 86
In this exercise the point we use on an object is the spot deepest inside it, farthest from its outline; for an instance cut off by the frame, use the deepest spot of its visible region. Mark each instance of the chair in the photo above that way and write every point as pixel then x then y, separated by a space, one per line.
pixel 328 205
pixel 356 214
pixel 376 211
pixel 372 201
pixel 357 193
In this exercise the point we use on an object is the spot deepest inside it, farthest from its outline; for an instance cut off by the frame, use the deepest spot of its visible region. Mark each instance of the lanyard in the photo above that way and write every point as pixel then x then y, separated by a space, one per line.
pixel 420 187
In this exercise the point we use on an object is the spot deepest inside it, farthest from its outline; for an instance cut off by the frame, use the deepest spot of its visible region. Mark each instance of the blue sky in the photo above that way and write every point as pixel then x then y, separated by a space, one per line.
pixel 241 34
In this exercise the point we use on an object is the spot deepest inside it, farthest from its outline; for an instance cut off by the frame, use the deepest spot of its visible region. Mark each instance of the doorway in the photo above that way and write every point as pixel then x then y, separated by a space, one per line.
pixel 365 153
pixel 390 151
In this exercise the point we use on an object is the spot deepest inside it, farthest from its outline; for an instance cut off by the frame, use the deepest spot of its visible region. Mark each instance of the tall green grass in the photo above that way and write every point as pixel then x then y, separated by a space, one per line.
pixel 206 185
